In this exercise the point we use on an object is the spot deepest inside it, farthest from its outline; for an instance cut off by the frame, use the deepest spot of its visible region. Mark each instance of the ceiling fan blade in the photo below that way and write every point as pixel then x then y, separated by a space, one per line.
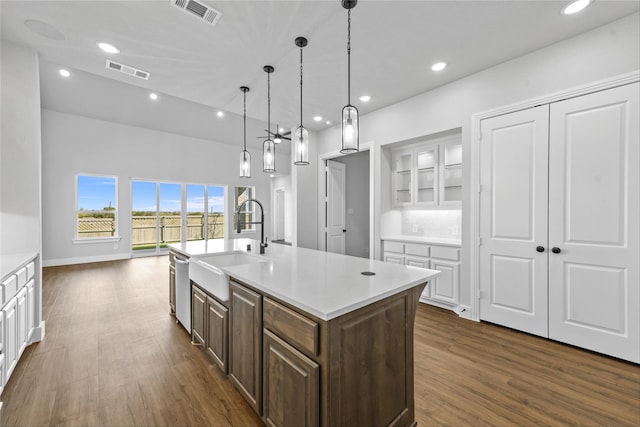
pixel 286 133
pixel 284 137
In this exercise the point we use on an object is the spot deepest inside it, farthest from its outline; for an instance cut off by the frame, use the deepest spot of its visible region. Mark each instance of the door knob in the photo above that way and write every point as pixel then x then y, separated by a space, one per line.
pixel 344 230
pixel 540 248
pixel 556 250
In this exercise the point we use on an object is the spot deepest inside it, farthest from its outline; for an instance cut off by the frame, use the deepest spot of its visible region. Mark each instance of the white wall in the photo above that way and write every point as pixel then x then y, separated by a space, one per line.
pixel 20 161
pixel 19 150
pixel 598 54
pixel 74 144
pixel 357 203
pixel 283 183
pixel 304 184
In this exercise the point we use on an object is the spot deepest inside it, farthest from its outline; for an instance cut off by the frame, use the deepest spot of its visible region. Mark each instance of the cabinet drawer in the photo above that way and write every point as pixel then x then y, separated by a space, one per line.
pixel 293 327
pixel 445 252
pixel 394 247
pixel 10 287
pixel 31 270
pixel 416 249
pixel 172 258
pixel 22 277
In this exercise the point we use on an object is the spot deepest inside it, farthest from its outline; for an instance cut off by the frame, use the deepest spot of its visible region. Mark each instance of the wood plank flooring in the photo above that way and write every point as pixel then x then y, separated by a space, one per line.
pixel 112 356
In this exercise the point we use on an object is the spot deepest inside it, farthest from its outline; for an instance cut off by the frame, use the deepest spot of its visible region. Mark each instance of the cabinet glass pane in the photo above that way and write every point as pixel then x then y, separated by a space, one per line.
pixel 403 196
pixel 403 163
pixel 453 154
pixel 426 159
pixel 404 181
pixel 452 194
pixel 426 195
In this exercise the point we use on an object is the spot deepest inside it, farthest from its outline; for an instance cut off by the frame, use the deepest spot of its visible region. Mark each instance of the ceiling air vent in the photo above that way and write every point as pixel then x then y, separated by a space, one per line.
pixel 130 71
pixel 198 9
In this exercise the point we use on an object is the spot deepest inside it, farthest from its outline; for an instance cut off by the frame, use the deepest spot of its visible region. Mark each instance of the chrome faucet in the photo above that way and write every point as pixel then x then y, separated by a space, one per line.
pixel 263 242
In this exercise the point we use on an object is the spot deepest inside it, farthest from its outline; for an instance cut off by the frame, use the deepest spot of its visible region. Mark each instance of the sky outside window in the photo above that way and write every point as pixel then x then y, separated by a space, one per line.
pixel 95 193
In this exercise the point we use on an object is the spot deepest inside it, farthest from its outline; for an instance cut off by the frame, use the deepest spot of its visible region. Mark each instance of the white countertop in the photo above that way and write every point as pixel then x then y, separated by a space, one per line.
pixel 10 262
pixel 323 284
pixel 423 239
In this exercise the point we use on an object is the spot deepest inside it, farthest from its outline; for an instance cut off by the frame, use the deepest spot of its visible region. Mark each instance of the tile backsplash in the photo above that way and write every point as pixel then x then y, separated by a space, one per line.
pixel 432 223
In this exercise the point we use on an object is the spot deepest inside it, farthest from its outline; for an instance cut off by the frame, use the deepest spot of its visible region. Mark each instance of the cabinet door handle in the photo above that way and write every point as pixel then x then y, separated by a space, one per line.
pixel 540 248
pixel 556 250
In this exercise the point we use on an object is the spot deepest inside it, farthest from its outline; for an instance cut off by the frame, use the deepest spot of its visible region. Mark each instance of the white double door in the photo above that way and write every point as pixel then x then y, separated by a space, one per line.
pixel 559 221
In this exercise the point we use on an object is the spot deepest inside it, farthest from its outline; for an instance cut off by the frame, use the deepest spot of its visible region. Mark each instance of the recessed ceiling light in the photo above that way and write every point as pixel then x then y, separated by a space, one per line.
pixel 220 114
pixel 575 7
pixel 439 66
pixel 328 122
pixel 317 118
pixel 280 129
pixel 107 47
pixel 365 98
pixel 153 96
pixel 64 73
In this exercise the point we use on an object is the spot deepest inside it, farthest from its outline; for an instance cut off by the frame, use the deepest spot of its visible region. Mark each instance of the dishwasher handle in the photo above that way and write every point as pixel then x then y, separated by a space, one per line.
pixel 181 260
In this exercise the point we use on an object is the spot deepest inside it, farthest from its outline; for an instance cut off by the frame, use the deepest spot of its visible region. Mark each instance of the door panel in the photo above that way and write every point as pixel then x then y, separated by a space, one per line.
pixel 513 220
pixel 593 220
pixel 336 207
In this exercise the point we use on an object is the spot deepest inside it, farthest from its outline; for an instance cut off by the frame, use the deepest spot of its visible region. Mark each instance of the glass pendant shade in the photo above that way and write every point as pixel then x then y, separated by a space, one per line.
pixel 268 156
pixel 301 146
pixel 350 129
pixel 245 164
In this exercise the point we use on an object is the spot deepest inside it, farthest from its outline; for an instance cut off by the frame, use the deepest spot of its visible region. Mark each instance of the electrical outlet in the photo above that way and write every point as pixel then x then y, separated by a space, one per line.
pixel 414 228
pixel 115 246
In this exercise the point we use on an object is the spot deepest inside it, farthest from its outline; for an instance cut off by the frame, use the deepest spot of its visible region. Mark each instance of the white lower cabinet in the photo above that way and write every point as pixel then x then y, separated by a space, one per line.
pixel 442 291
pixel 17 316
pixel 10 351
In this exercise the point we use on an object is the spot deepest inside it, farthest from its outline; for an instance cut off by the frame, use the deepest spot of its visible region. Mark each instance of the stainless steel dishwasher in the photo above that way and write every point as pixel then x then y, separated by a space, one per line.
pixel 183 293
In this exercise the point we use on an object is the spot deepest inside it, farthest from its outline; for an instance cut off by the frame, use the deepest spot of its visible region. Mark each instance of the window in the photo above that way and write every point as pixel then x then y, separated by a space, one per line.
pixel 247 214
pixel 96 207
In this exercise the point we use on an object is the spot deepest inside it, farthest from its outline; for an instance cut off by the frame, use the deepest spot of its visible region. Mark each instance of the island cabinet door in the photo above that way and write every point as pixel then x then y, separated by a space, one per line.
pixel 291 385
pixel 245 343
pixel 198 315
pixel 217 333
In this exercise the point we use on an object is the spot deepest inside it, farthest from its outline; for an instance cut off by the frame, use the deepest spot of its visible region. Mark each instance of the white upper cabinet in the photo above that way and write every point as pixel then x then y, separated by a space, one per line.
pixel 428 174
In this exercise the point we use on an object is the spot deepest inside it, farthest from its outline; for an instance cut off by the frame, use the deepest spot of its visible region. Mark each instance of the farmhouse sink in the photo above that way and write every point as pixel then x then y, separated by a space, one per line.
pixel 207 272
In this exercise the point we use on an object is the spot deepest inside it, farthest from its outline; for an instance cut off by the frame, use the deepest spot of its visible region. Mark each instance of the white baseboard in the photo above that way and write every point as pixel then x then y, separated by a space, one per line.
pixel 84 260
pixel 38 333
pixel 461 310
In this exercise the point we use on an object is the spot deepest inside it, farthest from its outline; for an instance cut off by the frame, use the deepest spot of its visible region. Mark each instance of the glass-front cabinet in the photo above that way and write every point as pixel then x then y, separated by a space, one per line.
pixel 452 173
pixel 403 179
pixel 428 174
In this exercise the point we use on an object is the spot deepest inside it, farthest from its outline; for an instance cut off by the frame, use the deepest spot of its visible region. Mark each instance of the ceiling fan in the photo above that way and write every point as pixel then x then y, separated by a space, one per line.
pixel 277 136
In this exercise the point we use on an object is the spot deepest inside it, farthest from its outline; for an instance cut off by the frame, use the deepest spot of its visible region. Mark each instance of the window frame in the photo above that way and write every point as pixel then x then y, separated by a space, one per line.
pixel 78 239
pixel 248 209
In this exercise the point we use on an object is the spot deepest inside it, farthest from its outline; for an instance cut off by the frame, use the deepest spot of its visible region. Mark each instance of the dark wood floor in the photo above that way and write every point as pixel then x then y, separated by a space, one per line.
pixel 113 356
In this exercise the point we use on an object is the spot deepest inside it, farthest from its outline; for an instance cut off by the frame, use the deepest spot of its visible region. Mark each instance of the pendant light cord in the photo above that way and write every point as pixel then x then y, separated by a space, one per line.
pixel 349 57
pixel 245 119
pixel 300 86
pixel 269 104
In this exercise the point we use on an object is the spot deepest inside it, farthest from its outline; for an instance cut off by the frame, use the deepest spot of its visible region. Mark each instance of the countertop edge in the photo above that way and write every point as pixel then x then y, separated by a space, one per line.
pixel 423 240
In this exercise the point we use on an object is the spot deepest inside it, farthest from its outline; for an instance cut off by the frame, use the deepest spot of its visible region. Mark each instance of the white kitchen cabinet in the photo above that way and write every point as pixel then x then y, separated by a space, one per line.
pixel 442 291
pixel 10 314
pixel 31 309
pixel 22 316
pixel 559 230
pixel 18 311
pixel 428 174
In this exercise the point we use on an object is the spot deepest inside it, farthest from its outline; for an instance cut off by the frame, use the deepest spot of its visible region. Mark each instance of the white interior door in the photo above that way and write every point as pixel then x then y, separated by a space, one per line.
pixel 279 202
pixel 513 220
pixel 594 287
pixel 336 207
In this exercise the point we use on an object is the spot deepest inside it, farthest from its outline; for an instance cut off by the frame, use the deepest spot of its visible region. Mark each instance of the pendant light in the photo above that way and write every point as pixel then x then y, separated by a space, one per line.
pixel 350 143
pixel 245 157
pixel 301 136
pixel 268 147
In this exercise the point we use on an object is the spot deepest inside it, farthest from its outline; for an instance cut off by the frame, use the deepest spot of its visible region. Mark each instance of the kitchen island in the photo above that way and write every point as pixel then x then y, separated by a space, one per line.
pixel 311 340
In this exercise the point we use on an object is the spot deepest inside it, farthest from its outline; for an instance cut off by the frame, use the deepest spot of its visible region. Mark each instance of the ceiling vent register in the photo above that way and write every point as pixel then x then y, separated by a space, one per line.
pixel 199 9
pixel 125 69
